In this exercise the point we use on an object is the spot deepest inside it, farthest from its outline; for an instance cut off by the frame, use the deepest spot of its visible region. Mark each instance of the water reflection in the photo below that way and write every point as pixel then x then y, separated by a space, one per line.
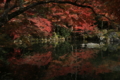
pixel 64 61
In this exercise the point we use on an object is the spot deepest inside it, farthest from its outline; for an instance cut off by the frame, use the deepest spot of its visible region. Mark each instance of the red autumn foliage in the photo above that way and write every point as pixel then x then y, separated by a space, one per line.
pixel 42 23
pixel 113 8
pixel 84 27
pixel 16 30
pixel 80 14
pixel 73 16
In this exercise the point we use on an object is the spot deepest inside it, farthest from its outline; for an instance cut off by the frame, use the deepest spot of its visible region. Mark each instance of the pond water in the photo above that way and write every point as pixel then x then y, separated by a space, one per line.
pixel 61 61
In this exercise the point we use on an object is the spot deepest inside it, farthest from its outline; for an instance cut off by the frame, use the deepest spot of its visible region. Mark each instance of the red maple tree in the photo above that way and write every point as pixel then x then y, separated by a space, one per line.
pixel 78 14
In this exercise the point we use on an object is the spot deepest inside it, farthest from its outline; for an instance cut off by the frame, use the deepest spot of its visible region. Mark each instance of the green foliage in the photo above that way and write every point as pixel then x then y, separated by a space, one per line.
pixel 62 31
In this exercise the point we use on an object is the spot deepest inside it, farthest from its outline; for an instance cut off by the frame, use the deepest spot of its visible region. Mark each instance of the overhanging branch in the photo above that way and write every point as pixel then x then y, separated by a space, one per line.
pixel 16 13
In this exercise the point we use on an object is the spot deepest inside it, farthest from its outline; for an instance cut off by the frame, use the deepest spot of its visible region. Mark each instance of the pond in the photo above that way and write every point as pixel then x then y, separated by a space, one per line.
pixel 61 61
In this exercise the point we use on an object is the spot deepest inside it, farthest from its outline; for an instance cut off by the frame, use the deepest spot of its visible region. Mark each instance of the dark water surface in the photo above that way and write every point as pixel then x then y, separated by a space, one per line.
pixel 61 61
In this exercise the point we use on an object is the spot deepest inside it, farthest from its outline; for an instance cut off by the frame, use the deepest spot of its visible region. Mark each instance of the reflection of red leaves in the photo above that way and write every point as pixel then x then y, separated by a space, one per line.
pixel 37 59
pixel 67 63
pixel 63 57
pixel 102 69
pixel 85 54
pixel 16 52
pixel 57 62
pixel 55 70
pixel 86 68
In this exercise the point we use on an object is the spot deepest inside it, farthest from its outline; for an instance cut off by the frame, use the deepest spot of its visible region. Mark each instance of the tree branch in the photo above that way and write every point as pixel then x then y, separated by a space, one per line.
pixel 43 2
pixel 16 13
